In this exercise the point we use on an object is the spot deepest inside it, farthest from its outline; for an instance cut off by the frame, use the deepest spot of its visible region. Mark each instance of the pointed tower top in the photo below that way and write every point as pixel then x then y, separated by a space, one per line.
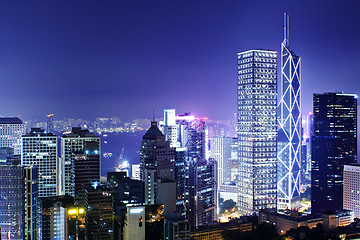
pixel 286 29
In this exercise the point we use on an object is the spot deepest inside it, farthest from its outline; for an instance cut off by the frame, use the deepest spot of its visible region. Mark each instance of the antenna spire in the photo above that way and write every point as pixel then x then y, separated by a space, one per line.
pixel 153 115
pixel 286 29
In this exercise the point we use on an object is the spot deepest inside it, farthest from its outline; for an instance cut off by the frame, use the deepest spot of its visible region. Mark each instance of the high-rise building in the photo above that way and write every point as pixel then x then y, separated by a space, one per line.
pixel 87 168
pixel 234 159
pixel 54 217
pixel 40 149
pixel 257 130
pixel 333 145
pixel 11 130
pixel 135 171
pixel 289 122
pixel 50 123
pixel 157 161
pixel 144 222
pixel 352 189
pixel 99 213
pixel 71 143
pixel 206 192
pixel 19 203
pixel 220 150
pixel 170 128
pixel 192 135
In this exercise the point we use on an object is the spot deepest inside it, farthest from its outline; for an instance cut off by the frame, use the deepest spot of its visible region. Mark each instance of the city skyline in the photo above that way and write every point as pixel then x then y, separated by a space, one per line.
pixel 184 52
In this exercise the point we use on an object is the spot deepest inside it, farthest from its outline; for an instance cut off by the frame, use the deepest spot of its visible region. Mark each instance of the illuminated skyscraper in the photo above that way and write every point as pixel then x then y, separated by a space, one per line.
pixel 50 123
pixel 11 130
pixel 170 129
pixel 70 144
pixel 19 203
pixel 333 145
pixel 40 149
pixel 289 122
pixel 352 189
pixel 257 132
pixel 221 151
pixel 206 192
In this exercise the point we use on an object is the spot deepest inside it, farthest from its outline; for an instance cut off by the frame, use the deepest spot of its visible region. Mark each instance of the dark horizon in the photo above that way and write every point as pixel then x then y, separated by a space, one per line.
pixel 122 58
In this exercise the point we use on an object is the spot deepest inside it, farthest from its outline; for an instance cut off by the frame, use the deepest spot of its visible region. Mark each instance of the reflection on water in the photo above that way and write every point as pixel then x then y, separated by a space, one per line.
pixel 119 147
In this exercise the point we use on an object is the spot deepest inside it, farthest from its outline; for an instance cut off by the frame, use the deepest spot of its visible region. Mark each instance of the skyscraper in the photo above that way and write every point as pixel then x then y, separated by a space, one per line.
pixel 18 204
pixel 11 130
pixel 87 168
pixel 220 150
pixel 99 213
pixel 206 192
pixel 157 161
pixel 170 129
pixel 71 143
pixel 257 131
pixel 352 189
pixel 289 122
pixel 50 123
pixel 333 145
pixel 40 149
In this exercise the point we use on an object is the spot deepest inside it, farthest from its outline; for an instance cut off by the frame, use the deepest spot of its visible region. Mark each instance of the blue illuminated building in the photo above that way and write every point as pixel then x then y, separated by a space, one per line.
pixel 289 132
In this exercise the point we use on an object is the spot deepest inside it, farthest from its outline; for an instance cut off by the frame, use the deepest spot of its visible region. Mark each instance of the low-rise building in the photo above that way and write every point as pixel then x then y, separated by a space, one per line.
pixel 285 222
pixel 213 231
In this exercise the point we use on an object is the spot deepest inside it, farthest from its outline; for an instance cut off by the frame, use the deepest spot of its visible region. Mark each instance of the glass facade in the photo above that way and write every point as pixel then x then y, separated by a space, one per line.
pixel 257 130
pixel 18 203
pixel 289 132
pixel 70 143
pixel 40 149
pixel 333 145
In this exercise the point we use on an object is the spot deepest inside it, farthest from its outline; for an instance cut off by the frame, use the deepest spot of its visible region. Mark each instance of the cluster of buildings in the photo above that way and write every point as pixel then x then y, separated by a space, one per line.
pixel 100 125
pixel 51 188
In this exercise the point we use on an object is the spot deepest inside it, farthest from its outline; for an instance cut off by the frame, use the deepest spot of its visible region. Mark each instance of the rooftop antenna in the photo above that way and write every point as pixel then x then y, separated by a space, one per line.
pixel 153 121
pixel 286 29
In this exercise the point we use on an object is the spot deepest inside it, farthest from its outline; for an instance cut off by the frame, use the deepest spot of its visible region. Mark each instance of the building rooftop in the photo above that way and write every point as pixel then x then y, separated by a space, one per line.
pixel 38 132
pixel 153 132
pixel 78 132
pixel 10 120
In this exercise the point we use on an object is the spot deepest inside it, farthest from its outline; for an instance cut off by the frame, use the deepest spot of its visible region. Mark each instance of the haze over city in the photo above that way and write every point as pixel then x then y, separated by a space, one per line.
pixel 125 58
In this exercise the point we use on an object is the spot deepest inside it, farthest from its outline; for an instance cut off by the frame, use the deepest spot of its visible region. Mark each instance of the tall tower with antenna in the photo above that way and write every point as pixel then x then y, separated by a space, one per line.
pixel 289 126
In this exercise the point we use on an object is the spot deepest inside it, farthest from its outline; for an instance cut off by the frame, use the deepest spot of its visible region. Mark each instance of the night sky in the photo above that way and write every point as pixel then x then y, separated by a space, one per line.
pixel 125 58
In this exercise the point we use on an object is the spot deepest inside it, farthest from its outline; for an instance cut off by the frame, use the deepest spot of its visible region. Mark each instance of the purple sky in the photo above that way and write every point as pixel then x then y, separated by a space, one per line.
pixel 125 58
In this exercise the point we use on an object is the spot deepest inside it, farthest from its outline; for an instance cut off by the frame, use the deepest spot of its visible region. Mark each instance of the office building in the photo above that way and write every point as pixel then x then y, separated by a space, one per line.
pixel 50 123
pixel 157 161
pixel 11 130
pixel 289 122
pixel 352 189
pixel 234 159
pixel 176 228
pixel 220 150
pixel 87 168
pixel 284 222
pixel 54 217
pixel 257 130
pixel 99 213
pixel 135 171
pixel 126 190
pixel 144 222
pixel 333 145
pixel 214 231
pixel 40 149
pixel 71 143
pixel 170 128
pixel 19 203
pixel 206 192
